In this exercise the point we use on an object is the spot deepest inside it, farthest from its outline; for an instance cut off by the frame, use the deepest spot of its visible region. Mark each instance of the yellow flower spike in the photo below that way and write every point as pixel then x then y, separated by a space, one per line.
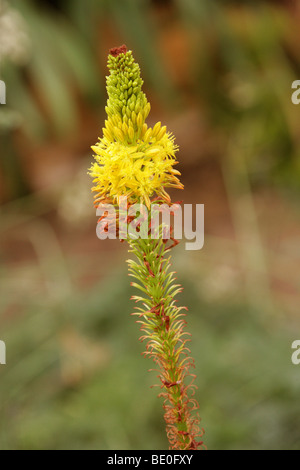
pixel 133 117
pixel 128 112
pixel 128 161
pixel 119 134
pixel 109 126
pixel 147 110
pixel 95 148
pixel 148 135
pixel 107 134
pixel 175 172
pixel 152 151
pixel 161 133
pixel 156 129
pixel 131 132
pixel 125 128
pixel 140 120
pixel 137 107
pixel 144 129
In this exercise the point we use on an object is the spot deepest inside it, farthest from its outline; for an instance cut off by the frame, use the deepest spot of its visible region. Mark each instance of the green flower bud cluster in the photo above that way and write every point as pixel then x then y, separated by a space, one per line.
pixel 127 104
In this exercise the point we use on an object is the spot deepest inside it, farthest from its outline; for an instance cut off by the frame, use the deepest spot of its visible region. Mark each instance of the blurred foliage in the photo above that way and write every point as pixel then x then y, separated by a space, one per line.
pixel 244 64
pixel 57 61
pixel 61 57
pixel 235 53
pixel 75 377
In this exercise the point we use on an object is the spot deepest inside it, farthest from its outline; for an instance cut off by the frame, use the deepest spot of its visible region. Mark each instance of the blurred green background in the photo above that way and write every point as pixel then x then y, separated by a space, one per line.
pixel 219 74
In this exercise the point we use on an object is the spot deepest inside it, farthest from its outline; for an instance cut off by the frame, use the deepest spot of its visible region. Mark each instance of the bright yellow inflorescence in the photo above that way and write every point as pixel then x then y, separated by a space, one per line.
pixel 132 159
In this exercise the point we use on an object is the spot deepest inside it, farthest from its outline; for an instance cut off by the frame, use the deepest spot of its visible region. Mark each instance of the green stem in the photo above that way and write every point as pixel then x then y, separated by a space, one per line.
pixel 163 326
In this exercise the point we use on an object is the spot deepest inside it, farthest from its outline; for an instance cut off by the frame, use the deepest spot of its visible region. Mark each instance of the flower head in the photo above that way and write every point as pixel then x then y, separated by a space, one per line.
pixel 132 159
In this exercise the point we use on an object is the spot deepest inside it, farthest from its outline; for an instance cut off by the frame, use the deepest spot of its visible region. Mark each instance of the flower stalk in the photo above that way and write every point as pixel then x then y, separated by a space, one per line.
pixel 162 323
pixel 137 162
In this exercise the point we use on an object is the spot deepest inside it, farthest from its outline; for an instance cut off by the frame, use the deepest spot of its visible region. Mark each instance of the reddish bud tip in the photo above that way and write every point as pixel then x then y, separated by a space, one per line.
pixel 118 50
